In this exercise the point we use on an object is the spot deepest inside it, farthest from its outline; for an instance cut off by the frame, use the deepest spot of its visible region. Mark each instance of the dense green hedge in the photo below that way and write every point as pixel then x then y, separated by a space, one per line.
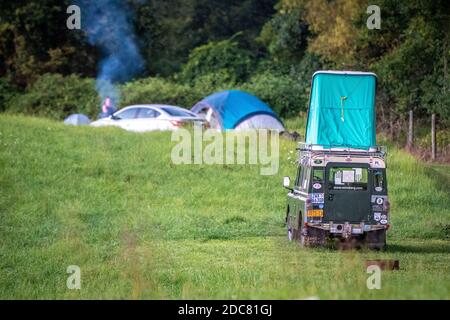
pixel 157 90
pixel 55 96
pixel 7 92
pixel 284 94
pixel 224 57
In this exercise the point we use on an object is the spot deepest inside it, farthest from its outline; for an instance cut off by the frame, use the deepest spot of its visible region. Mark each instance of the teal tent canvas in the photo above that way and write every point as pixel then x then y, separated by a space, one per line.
pixel 342 110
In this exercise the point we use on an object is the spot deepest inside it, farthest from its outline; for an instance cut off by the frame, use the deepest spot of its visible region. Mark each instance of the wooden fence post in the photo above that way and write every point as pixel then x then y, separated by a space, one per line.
pixel 433 137
pixel 409 143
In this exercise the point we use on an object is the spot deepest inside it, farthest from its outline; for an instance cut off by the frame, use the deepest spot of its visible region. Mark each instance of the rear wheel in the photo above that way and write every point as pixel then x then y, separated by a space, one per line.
pixel 376 239
pixel 290 231
pixel 293 233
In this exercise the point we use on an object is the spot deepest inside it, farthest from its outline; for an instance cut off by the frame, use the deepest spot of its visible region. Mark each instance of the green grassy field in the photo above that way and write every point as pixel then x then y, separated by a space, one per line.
pixel 139 226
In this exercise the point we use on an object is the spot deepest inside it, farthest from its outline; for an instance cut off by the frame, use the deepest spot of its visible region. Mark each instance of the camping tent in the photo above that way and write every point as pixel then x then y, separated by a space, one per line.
pixel 234 109
pixel 77 120
pixel 342 109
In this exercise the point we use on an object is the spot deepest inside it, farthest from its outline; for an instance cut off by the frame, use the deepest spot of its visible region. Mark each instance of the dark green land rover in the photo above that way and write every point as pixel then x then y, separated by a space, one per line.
pixel 338 194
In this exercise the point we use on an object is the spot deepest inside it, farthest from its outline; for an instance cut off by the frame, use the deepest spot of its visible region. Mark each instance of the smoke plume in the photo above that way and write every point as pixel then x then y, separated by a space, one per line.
pixel 107 24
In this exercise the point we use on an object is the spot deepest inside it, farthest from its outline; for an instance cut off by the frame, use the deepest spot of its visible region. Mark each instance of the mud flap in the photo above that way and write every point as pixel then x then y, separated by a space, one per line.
pixel 313 237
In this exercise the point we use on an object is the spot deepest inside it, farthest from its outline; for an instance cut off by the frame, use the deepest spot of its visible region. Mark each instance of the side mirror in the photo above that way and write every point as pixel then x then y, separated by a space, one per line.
pixel 287 182
pixel 113 117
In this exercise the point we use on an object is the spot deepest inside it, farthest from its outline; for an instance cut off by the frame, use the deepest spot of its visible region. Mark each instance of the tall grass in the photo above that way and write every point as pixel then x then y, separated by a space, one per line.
pixel 139 226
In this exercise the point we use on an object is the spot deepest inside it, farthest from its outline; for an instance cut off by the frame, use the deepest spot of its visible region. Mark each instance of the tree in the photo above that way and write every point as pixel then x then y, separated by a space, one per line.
pixel 285 36
pixel 169 30
pixel 34 40
pixel 219 57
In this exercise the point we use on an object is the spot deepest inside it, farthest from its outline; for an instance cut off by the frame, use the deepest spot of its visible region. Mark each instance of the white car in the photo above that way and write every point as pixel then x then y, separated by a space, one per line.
pixel 149 117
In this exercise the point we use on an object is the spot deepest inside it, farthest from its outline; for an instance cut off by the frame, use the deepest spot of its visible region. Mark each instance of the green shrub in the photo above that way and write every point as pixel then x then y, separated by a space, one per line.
pixel 213 82
pixel 218 57
pixel 442 140
pixel 284 94
pixel 284 86
pixel 157 90
pixel 7 92
pixel 56 96
pixel 285 36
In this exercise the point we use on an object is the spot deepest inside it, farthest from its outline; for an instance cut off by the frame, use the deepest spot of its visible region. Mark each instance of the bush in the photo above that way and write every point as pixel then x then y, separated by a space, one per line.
pixel 286 90
pixel 56 96
pixel 7 92
pixel 284 86
pixel 283 93
pixel 285 36
pixel 442 140
pixel 218 58
pixel 156 90
pixel 213 82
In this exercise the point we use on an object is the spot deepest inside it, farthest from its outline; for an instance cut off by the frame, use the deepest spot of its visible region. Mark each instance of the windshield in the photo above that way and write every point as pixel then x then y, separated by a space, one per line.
pixel 347 178
pixel 177 112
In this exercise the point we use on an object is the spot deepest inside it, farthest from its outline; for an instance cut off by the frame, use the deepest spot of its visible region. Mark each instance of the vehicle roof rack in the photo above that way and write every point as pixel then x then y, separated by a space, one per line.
pixel 314 149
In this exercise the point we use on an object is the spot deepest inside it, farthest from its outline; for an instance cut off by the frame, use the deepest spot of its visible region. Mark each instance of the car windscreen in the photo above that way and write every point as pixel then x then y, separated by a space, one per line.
pixel 347 178
pixel 177 112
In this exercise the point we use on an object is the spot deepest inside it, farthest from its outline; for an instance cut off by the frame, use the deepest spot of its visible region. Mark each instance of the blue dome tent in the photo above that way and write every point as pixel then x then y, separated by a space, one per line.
pixel 234 109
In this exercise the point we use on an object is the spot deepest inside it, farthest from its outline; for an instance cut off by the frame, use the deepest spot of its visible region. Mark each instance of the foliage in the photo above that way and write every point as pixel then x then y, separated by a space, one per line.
pixel 219 80
pixel 56 96
pixel 332 23
pixel 283 93
pixel 193 48
pixel 284 87
pixel 34 40
pixel 402 79
pixel 157 90
pixel 410 53
pixel 8 90
pixel 223 56
pixel 285 36
pixel 169 30
pixel 442 140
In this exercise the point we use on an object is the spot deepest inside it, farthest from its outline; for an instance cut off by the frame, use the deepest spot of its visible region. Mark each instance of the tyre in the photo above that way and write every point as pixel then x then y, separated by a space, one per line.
pixel 376 239
pixel 290 232
pixel 290 235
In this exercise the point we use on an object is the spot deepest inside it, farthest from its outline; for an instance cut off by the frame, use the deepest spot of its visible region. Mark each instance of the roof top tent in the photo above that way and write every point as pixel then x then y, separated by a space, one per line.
pixel 342 110
pixel 235 109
